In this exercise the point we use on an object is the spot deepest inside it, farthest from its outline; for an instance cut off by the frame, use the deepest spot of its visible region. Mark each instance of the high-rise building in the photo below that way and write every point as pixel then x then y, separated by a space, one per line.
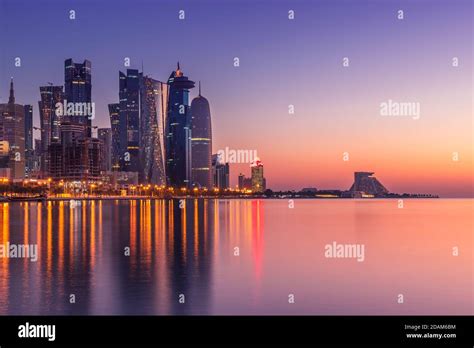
pixel 153 105
pixel 49 123
pixel 220 173
pixel 28 139
pixel 129 111
pixel 12 120
pixel 78 90
pixel 37 157
pixel 114 112
pixel 138 123
pixel 105 136
pixel 241 181
pixel 178 131
pixel 201 141
pixel 244 182
pixel 258 180
pixel 72 153
pixel 76 158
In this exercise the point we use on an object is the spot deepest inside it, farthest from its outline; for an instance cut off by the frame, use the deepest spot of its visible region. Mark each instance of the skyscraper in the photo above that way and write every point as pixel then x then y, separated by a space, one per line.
pixel 153 104
pixel 37 157
pixel 49 123
pixel 244 182
pixel 114 113
pixel 201 141
pixel 105 136
pixel 28 139
pixel 220 173
pixel 178 130
pixel 12 120
pixel 75 155
pixel 258 180
pixel 78 90
pixel 129 119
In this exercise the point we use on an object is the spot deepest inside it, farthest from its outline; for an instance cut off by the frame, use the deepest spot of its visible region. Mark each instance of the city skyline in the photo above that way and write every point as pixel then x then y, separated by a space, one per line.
pixel 330 118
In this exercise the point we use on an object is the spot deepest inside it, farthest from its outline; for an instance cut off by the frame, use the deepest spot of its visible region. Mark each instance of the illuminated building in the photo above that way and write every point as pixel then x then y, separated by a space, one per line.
pixel 201 142
pixel 153 106
pixel 4 158
pixel 105 136
pixel 78 89
pixel 178 131
pixel 129 111
pixel 114 112
pixel 220 173
pixel 244 183
pixel 12 126
pixel 28 139
pixel 366 184
pixel 137 123
pixel 77 157
pixel 258 180
pixel 4 148
pixel 49 123
pixel 72 153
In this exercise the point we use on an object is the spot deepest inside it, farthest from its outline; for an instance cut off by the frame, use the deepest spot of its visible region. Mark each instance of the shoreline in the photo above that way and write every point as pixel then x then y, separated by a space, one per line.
pixel 122 198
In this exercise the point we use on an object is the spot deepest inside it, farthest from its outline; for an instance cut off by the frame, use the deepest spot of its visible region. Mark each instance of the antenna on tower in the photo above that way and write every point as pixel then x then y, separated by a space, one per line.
pixel 199 87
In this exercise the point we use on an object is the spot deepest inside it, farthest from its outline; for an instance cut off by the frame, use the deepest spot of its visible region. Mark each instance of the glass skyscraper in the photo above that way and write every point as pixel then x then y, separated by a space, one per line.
pixel 28 139
pixel 153 104
pixel 114 113
pixel 178 131
pixel 129 94
pixel 105 137
pixel 220 173
pixel 12 126
pixel 78 89
pixel 201 142
pixel 258 180
pixel 49 123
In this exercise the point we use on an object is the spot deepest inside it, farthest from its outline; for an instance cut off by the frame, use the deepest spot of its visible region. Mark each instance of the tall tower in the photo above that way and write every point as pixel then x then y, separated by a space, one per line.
pixel 129 95
pixel 12 119
pixel 114 112
pixel 201 142
pixel 105 137
pixel 178 130
pixel 49 122
pixel 78 157
pixel 153 103
pixel 78 89
pixel 258 180
pixel 28 139
pixel 220 173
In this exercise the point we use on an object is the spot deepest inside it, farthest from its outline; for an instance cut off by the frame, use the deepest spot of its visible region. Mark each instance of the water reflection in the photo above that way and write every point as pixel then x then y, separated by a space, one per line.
pixel 139 256
pixel 119 257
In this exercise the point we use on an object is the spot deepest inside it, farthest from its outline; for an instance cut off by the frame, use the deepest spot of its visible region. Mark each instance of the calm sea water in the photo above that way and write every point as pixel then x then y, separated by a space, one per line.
pixel 191 251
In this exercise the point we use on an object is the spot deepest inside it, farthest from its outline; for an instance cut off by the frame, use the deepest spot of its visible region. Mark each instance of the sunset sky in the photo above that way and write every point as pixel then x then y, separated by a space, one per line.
pixel 282 62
